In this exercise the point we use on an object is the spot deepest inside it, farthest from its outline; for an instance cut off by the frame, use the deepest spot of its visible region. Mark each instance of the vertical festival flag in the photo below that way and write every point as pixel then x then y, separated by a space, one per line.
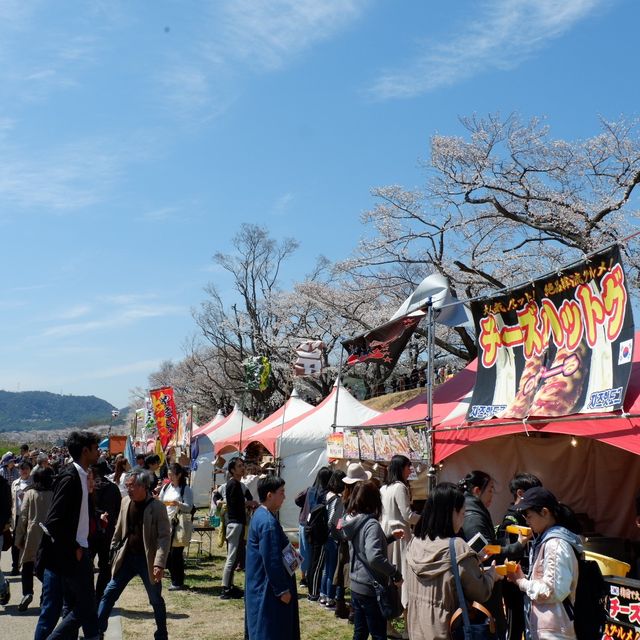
pixel 164 410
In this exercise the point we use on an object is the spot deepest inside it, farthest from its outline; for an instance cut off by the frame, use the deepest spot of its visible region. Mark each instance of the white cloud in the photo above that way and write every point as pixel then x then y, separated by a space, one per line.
pixel 73 312
pixel 141 366
pixel 60 179
pixel 282 204
pixel 162 213
pixel 117 319
pixel 247 35
pixel 505 33
pixel 268 34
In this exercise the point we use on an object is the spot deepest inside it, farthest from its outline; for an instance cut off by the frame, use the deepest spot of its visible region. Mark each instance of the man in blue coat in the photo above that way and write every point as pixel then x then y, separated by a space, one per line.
pixel 271 599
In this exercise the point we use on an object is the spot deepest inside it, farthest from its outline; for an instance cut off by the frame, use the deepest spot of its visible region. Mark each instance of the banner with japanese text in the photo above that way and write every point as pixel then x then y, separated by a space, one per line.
pixel 561 345
pixel 164 411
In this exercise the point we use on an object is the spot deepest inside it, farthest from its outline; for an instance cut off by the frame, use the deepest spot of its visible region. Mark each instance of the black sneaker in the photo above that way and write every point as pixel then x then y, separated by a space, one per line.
pixel 25 602
pixel 225 595
pixel 236 593
pixel 5 596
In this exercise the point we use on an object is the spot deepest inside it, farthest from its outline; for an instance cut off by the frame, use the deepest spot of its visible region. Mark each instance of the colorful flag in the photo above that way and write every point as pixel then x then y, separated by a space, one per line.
pixel 383 344
pixel 149 427
pixel 309 356
pixel 159 450
pixel 129 454
pixel 164 410
pixel 257 370
pixel 138 423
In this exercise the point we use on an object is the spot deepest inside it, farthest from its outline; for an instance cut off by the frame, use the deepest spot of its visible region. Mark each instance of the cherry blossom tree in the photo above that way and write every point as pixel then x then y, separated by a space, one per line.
pixel 500 206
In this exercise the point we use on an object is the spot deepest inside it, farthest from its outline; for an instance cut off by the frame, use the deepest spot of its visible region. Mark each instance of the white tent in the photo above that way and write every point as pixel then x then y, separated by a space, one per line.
pixel 202 477
pixel 302 446
pixel 267 431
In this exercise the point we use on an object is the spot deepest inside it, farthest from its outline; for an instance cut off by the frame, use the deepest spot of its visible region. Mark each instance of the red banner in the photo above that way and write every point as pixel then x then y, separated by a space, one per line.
pixel 164 409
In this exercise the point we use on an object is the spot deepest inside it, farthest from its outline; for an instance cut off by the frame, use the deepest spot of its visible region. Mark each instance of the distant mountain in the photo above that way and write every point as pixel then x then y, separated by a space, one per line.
pixel 27 410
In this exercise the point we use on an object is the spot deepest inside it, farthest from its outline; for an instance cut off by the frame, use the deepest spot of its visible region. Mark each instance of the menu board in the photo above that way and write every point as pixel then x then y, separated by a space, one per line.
pixel 367 450
pixel 382 444
pixel 399 442
pixel 335 445
pixel 378 444
pixel 417 439
pixel 351 447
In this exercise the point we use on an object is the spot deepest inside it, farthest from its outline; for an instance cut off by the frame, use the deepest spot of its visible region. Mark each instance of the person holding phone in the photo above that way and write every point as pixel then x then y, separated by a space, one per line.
pixel 479 487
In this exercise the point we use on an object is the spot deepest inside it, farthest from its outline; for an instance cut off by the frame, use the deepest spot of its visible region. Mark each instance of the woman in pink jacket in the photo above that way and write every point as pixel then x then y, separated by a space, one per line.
pixel 550 588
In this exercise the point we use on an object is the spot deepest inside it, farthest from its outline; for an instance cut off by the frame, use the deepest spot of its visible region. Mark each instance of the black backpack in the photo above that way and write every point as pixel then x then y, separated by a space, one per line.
pixel 316 530
pixel 588 612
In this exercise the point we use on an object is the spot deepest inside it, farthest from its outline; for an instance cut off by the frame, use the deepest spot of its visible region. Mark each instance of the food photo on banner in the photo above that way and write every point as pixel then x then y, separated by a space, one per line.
pixel 559 346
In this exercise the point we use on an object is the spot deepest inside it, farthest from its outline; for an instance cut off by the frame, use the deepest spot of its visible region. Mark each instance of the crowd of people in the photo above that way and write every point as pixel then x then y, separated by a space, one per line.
pixel 359 533
pixel 65 511
pixel 69 509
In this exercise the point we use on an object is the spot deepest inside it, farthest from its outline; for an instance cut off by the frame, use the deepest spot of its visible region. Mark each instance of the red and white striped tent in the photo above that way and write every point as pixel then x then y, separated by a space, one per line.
pixel 589 460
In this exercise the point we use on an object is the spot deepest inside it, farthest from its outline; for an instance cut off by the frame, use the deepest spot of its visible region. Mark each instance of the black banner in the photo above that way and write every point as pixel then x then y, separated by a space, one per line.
pixel 559 346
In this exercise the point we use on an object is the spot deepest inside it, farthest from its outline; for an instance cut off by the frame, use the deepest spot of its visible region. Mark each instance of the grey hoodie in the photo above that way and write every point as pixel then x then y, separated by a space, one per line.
pixel 367 543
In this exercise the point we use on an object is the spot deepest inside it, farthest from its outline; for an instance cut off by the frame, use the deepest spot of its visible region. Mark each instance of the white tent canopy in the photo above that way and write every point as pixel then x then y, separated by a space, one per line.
pixel 267 431
pixel 303 445
pixel 208 426
pixel 202 477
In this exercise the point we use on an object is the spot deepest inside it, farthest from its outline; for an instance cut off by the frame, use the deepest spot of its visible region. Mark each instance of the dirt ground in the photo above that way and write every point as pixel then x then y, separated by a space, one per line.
pixel 199 614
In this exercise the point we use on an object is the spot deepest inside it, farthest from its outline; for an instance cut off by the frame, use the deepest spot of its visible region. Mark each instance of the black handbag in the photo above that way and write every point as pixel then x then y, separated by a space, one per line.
pixel 7 539
pixel 483 625
pixel 387 595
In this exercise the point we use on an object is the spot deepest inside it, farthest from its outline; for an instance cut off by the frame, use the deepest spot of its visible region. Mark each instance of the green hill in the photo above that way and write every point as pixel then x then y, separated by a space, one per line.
pixel 26 410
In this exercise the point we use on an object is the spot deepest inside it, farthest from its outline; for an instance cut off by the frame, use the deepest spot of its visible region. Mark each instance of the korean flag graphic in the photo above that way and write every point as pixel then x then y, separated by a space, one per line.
pixel 626 352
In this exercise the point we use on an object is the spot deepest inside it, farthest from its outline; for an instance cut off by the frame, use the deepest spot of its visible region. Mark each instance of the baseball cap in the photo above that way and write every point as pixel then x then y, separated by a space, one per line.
pixel 537 498
pixel 7 458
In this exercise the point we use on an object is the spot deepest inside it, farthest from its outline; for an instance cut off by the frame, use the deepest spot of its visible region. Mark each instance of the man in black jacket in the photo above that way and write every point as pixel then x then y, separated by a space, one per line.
pixel 237 499
pixel 64 560
pixel 5 520
pixel 107 500
pixel 513 597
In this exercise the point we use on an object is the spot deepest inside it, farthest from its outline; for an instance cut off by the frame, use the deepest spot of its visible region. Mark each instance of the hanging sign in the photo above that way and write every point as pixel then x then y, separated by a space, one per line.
pixel 559 346
pixel 335 445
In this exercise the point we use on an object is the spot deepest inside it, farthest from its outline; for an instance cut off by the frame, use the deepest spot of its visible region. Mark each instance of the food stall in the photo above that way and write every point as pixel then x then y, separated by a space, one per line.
pixel 555 391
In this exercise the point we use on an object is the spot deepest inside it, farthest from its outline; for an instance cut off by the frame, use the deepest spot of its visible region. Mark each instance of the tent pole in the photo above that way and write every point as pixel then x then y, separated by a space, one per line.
pixel 279 440
pixel 335 409
pixel 241 420
pixel 431 473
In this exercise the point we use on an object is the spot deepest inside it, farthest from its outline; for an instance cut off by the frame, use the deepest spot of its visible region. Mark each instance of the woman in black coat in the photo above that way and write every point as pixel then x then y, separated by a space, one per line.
pixel 479 488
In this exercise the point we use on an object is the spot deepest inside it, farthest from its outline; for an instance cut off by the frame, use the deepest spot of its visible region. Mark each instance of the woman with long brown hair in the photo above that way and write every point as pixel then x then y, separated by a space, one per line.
pixel 368 549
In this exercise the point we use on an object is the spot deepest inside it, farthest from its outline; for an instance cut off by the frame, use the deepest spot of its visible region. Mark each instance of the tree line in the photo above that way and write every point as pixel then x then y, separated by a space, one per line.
pixel 499 206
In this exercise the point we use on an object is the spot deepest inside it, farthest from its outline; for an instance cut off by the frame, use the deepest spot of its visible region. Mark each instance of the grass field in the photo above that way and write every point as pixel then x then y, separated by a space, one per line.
pixel 198 613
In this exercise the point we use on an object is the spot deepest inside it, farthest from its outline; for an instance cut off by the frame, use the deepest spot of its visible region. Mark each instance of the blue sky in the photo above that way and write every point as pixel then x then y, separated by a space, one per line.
pixel 135 137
